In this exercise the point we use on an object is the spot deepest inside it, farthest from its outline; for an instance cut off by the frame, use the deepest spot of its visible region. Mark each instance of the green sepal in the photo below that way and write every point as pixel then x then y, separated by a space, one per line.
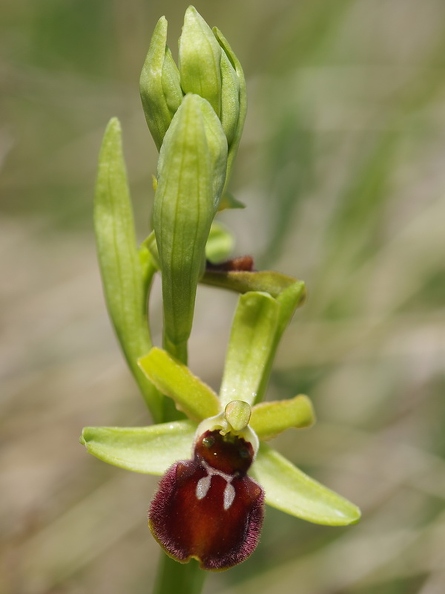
pixel 192 396
pixel 269 419
pixel 199 59
pixel 253 330
pixel 219 244
pixel 125 280
pixel 288 299
pixel 290 490
pixel 267 281
pixel 191 174
pixel 159 84
pixel 149 450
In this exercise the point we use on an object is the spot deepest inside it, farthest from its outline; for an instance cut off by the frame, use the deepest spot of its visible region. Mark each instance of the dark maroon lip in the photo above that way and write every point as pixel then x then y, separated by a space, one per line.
pixel 208 508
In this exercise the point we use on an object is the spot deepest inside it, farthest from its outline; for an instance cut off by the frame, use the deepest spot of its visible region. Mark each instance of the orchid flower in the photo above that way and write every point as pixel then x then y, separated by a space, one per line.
pixel 217 468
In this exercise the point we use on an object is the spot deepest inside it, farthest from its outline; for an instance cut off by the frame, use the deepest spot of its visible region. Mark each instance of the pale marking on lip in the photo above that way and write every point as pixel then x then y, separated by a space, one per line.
pixel 203 485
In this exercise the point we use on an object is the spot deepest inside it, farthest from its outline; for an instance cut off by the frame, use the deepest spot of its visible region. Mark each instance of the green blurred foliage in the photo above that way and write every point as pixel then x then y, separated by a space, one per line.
pixel 341 169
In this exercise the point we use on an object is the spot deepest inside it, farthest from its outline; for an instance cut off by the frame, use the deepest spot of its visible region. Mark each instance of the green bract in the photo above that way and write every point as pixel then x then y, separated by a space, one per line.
pixel 126 277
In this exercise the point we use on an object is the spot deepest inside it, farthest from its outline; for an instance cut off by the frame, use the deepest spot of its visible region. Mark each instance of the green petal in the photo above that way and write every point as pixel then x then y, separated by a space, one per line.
pixel 268 419
pixel 253 331
pixel 287 488
pixel 149 450
pixel 125 280
pixel 192 396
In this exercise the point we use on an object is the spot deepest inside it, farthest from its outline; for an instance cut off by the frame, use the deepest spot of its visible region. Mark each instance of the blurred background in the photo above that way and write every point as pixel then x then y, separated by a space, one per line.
pixel 341 169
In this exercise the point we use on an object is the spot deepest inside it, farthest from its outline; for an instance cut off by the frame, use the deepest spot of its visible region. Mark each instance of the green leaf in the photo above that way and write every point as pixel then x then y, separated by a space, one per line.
pixel 253 332
pixel 287 488
pixel 269 419
pixel 149 450
pixel 125 280
pixel 172 378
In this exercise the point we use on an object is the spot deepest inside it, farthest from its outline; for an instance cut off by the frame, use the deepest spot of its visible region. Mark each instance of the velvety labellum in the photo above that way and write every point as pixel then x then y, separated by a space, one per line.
pixel 208 508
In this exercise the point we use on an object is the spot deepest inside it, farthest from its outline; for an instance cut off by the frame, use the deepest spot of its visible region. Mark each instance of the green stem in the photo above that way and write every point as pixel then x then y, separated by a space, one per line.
pixel 176 577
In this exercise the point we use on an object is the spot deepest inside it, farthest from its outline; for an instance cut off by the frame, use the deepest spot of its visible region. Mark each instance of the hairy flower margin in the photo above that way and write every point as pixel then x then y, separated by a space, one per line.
pixel 217 469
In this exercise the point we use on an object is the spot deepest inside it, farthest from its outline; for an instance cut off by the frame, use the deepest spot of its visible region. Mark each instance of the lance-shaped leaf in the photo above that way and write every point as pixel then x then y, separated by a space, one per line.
pixel 149 450
pixel 253 331
pixel 287 488
pixel 125 282
pixel 172 378
pixel 191 174
pixel 159 84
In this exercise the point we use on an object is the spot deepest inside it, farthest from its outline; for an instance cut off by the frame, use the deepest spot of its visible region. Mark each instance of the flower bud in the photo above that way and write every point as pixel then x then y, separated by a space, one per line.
pixel 200 60
pixel 191 173
pixel 159 84
pixel 233 99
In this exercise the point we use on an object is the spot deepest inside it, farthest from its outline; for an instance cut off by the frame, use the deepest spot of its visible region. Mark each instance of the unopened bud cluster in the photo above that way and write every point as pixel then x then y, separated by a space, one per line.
pixel 207 67
pixel 195 112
